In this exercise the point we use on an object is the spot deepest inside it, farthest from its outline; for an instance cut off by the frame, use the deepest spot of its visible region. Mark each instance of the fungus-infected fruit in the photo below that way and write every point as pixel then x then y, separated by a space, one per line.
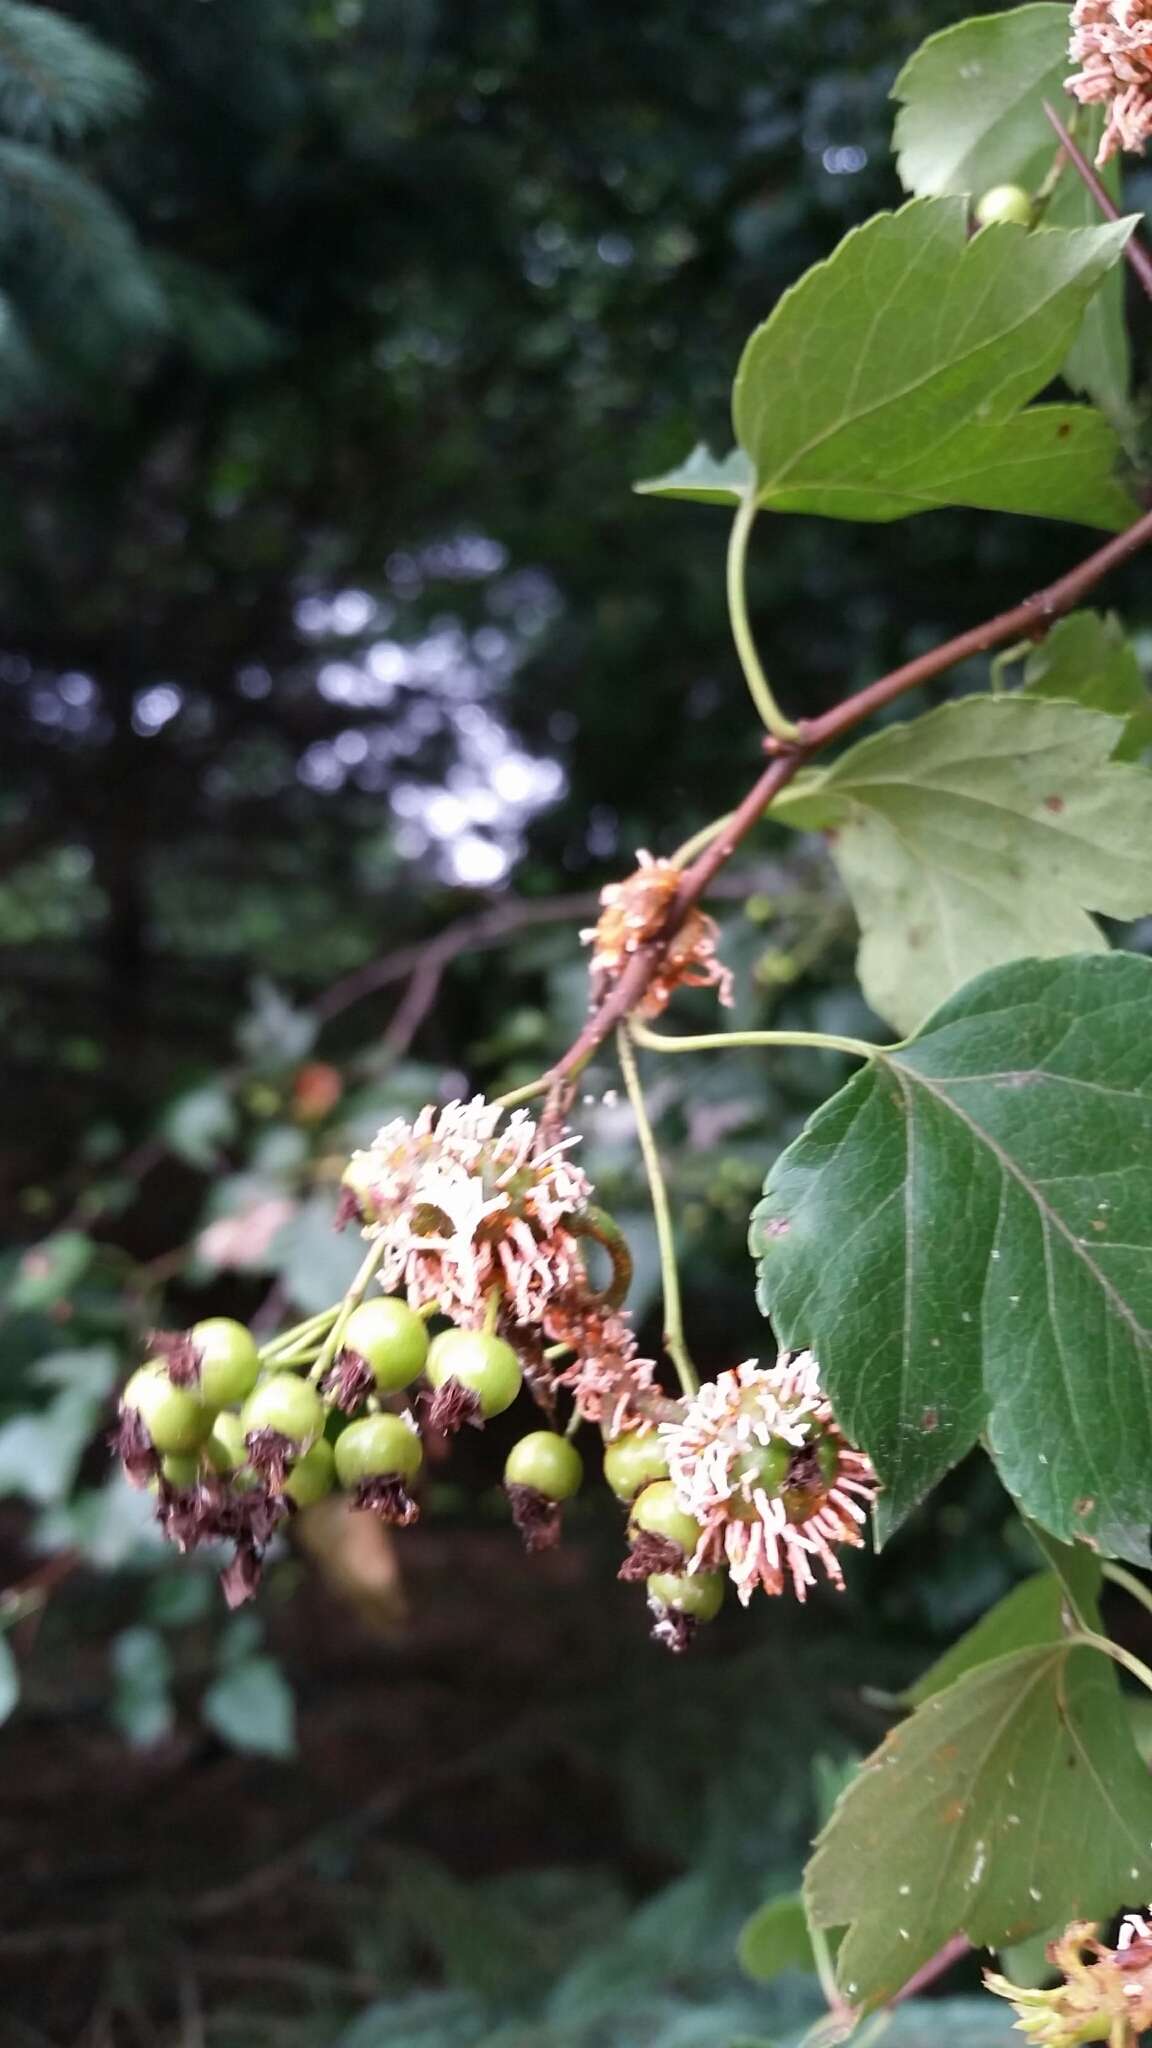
pixel 697 1595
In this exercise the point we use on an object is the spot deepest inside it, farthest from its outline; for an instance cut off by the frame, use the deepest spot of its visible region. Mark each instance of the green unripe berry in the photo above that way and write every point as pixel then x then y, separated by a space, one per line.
pixel 1004 202
pixel 699 1595
pixel 657 1512
pixel 313 1475
pixel 391 1339
pixel 634 1461
pixel 377 1447
pixel 229 1363
pixel 548 1463
pixel 225 1449
pixel 487 1366
pixel 290 1406
pixel 175 1419
pixel 763 1468
pixel 180 1468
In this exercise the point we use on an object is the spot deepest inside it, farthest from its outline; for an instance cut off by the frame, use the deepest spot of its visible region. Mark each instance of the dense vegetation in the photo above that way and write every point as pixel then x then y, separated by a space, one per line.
pixel 339 667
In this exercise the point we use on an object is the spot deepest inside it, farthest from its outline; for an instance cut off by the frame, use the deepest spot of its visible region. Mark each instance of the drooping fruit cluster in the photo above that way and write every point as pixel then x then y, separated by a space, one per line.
pixel 233 1441
pixel 480 1220
pixel 759 1462
pixel 487 1228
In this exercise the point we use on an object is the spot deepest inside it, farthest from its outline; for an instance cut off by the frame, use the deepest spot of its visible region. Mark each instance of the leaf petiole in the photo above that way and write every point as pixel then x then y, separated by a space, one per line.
pixel 1087 1639
pixel 352 1299
pixel 1118 1576
pixel 780 727
pixel 728 1041
pixel 674 1342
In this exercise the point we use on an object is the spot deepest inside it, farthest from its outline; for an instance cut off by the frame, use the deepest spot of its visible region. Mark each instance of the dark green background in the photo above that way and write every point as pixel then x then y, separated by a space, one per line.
pixel 397 299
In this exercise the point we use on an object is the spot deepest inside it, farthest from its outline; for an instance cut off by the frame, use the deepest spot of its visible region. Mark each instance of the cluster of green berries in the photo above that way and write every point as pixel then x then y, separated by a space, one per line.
pixel 233 1439
pixel 663 1539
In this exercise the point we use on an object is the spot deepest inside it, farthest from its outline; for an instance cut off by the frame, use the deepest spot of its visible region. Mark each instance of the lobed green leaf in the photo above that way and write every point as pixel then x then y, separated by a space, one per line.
pixel 982 833
pixel 972 117
pixel 776 1938
pixel 1011 1802
pixel 890 379
pixel 704 478
pixel 1087 659
pixel 251 1707
pixel 963 1236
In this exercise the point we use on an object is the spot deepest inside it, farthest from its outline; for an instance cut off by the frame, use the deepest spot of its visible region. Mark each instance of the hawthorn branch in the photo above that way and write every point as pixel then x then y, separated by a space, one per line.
pixel 468 935
pixel 1135 253
pixel 1029 620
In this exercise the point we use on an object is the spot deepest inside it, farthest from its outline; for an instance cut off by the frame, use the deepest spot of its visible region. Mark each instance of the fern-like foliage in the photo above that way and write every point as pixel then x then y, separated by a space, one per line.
pixel 77 284
pixel 57 82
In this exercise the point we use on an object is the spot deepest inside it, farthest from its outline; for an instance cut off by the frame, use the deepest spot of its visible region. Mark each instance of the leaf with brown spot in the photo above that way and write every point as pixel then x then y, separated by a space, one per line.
pixel 1015 1801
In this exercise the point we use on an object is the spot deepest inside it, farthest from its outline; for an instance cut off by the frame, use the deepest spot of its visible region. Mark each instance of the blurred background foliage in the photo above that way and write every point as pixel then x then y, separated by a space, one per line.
pixel 338 670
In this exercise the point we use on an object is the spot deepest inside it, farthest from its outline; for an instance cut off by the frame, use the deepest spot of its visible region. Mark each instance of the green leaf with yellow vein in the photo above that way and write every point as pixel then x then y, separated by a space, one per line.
pixel 963 1236
pixel 1087 658
pixel 1011 1802
pixel 890 379
pixel 984 832
pixel 972 116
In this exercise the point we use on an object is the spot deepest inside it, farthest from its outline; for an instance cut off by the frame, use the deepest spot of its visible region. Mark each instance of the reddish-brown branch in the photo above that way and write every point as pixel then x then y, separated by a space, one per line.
pixel 468 935
pixel 627 992
pixel 938 1965
pixel 1028 620
pixel 1137 255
